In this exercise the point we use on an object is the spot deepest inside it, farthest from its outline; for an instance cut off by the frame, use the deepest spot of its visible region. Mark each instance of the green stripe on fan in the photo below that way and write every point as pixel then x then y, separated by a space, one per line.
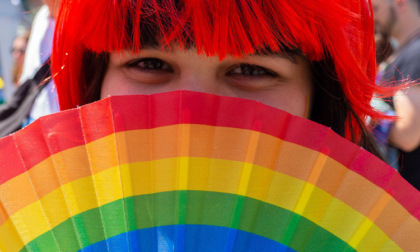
pixel 206 208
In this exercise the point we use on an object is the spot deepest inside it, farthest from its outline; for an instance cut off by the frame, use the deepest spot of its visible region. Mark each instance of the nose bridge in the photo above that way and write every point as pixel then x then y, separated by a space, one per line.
pixel 199 79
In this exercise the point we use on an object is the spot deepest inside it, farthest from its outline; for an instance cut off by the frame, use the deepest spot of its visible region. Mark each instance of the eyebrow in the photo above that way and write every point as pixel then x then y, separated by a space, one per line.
pixel 291 55
pixel 287 53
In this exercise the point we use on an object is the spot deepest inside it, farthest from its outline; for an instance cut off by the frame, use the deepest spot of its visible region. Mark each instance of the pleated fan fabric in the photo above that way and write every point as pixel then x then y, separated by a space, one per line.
pixel 188 171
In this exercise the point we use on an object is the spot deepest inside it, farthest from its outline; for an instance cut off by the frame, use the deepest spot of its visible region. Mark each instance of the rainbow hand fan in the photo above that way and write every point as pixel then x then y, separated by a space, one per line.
pixel 187 171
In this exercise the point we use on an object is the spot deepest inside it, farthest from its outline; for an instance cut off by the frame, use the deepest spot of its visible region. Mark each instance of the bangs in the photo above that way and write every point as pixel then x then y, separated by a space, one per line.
pixel 339 31
pixel 213 27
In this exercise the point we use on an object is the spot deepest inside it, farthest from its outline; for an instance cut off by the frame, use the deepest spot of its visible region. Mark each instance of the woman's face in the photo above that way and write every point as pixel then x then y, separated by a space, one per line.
pixel 18 50
pixel 274 80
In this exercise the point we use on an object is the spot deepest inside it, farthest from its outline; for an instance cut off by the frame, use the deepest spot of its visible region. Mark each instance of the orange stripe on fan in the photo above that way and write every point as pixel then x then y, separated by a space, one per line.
pixel 223 176
pixel 290 160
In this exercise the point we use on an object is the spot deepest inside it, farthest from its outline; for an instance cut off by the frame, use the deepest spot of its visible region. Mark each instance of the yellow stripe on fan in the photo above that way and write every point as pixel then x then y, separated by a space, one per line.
pixel 73 164
pixel 249 158
pixel 313 178
pixel 131 150
pixel 228 169
pixel 184 152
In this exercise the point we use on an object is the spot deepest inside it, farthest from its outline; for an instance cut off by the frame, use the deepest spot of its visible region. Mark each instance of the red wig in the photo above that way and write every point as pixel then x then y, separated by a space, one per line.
pixel 340 30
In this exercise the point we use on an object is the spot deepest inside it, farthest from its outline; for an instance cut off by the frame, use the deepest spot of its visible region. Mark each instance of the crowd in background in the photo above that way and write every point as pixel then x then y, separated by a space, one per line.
pixel 30 73
pixel 16 18
pixel 397 27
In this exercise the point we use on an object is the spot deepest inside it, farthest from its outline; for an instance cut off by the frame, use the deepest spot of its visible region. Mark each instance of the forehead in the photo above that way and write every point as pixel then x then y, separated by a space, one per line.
pixel 381 3
pixel 19 41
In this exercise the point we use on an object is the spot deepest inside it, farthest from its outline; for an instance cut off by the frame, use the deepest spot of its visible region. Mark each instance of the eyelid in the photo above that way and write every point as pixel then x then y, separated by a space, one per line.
pixel 135 64
pixel 268 72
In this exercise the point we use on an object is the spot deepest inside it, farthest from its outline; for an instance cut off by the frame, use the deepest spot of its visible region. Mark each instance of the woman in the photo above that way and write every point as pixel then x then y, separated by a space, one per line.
pixel 314 59
pixel 311 58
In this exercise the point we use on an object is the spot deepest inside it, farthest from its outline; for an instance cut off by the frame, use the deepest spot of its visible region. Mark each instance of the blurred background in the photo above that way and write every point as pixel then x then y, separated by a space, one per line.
pixel 15 23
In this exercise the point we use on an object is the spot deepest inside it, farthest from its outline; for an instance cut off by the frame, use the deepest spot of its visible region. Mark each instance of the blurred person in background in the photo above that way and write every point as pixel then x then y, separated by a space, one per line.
pixel 40 42
pixel 38 52
pixel 382 128
pixel 400 20
pixel 35 96
pixel 18 54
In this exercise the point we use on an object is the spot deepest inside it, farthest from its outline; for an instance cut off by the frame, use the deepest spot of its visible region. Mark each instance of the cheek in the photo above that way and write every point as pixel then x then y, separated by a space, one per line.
pixel 118 82
pixel 109 86
pixel 293 98
pixel 295 102
pixel 115 83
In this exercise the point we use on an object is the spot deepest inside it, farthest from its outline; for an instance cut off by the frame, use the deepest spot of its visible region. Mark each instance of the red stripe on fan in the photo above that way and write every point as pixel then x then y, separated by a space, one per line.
pixel 48 136
pixel 11 164
pixel 385 177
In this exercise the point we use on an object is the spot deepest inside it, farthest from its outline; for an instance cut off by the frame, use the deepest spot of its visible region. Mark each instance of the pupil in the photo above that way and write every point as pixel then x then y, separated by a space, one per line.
pixel 153 64
pixel 249 70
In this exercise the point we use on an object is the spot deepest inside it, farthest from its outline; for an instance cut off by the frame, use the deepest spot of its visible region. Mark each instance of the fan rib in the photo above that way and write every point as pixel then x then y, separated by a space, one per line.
pixel 366 225
pixel 89 148
pixel 113 117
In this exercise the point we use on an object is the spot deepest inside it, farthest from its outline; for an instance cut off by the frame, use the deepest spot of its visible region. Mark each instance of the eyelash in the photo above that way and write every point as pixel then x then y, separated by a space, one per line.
pixel 242 69
pixel 153 65
pixel 250 70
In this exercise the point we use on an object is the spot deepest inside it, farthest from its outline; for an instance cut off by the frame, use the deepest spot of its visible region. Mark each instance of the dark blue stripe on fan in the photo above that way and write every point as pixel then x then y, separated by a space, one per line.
pixel 191 238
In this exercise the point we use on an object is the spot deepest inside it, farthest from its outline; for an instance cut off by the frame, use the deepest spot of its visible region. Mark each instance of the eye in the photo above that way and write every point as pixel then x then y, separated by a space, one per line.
pixel 251 71
pixel 150 65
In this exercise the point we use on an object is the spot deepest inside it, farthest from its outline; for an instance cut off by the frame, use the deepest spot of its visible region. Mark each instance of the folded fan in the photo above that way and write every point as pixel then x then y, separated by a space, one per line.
pixel 187 171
